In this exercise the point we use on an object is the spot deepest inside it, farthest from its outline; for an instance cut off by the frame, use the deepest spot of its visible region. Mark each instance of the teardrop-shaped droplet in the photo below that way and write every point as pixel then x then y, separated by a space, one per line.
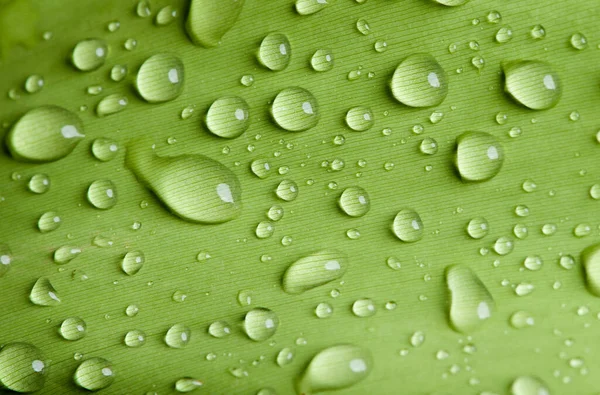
pixel 6 258
pixel 178 336
pixel 160 78
pixel 105 149
pixel 73 328
pixel 479 156
pixel 419 81
pixel 187 384
pixel 43 293
pixel 135 338
pixel 478 228
pixel 22 367
pixel 66 254
pixel 34 83
pixel 208 21
pixel 532 83
pixel 142 9
pixel 165 16
pixel 39 183
pixel 295 109
pixel 360 119
pixel 451 3
pixel 470 301
pixel 322 60
pixel 102 194
pixel 285 356
pixel 133 262
pixel 528 385
pixel 260 324
pixel 193 187
pixel 287 190
pixel 111 104
pixel 335 368
pixel 308 7
pixel 314 270
pixel 89 54
pixel 228 117
pixel 44 134
pixel 275 51
pixel 219 329
pixel 49 221
pixel 590 258
pixel 118 72
pixel 354 201
pixel 408 226
pixel 364 308
pixel 94 374
pixel 261 168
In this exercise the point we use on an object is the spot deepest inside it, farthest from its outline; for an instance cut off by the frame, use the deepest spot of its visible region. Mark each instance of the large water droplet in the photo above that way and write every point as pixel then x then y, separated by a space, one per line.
pixel 407 226
pixel 187 384
pixel 194 187
pixel 528 385
pixel 102 194
pixel 260 324
pixel 364 308
pixel 532 83
pixel 504 245
pixel 590 258
pixel 228 117
pixel 49 221
pixel 336 367
pixel 111 104
pixel 287 190
pixel 43 293
pixel 579 41
pixel 66 254
pixel 285 356
pixel 44 134
pixel 94 374
pixel 295 109
pixel 178 336
pixel 308 7
pixel 478 228
pixel 208 21
pixel 470 301
pixel 89 54
pixel 105 149
pixel 419 81
pixel 133 262
pixel 354 201
pixel 322 60
pixel 360 119
pixel 323 310
pixel 219 329
pixel 160 78
pixel 39 183
pixel 479 156
pixel 314 270
pixel 275 51
pixel 135 338
pixel 22 367
pixel 73 328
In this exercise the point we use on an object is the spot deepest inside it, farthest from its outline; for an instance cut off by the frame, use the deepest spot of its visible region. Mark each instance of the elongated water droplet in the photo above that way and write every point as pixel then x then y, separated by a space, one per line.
pixel 532 83
pixel 34 83
pixel 407 226
pixel 524 289
pixel 275 51
pixel 39 183
pixel 208 21
pixel 118 72
pixel 135 338
pixel 142 9
pixel 314 270
pixel 364 308
pixel 521 319
pixel 44 134
pixel 322 60
pixel 285 356
pixel 219 329
pixel 22 367
pixel 43 293
pixel 165 16
pixel 323 310
pixel 105 149
pixel 261 168
pixel 260 324
pixel 360 119
pixel 66 254
pixel 335 368
pixel 308 7
pixel 470 301
pixel 533 262
pixel 160 78
pixel 590 259
pixel 111 104
pixel 479 156
pixel 295 109
pixel 94 374
pixel 133 262
pixel 49 221
pixel 287 190
pixel 178 336
pixel 478 228
pixel 528 385
pixel 89 54
pixel 187 384
pixel 228 117
pixel 73 328
pixel 419 81
pixel 504 34
pixel 451 3
pixel 193 187
pixel 354 201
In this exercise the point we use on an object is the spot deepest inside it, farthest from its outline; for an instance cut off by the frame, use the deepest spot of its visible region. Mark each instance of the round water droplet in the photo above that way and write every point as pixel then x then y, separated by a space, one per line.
pixel 5 259
pixel 533 262
pixel 504 34
pixel 537 32
pixel 44 134
pixel 579 41
pixel 261 168
pixel 521 231
pixel 354 201
pixel 275 212
pixel 160 78
pixel 39 183
pixel 228 117
pixel 295 109
pixel 244 298
pixel 208 21
pixel 582 230
pixel 470 301
pixel 314 270
pixel 260 324
pixel 132 310
pixel 130 44
pixel 527 385
pixel 179 296
pixel 22 367
pixel 323 310
pixel 94 374
pixel 219 329
pixel 73 328
pixel 34 83
pixel 102 194
pixel 133 262
pixel 89 54
pixel 287 190
pixel 417 339
pixel 494 17
pixel 111 104
pixel 187 112
pixel 478 228
pixel 113 26
pixel 419 81
pixel 264 230
pixel 428 146
pixel 275 51
pixel 479 156
pixel 522 211
pixel 521 319
pixel 118 72
pixel 360 119
pixel 503 245
pixel 187 384
pixel 336 367
pixel 285 356
pixel 529 186
pixel 66 254
pixel 135 338
pixel 105 149
pixel 380 46
pixel 43 293
pixel 532 84
pixel 407 226
pixel 393 263
pixel 49 221
pixel 178 336
pixel 567 262
pixel 364 308
pixel 308 7
pixel 363 27
pixel 165 16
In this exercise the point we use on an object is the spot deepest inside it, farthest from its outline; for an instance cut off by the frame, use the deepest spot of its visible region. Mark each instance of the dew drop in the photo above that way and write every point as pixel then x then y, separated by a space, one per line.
pixel 582 230
pixel 39 183
pixel 285 356
pixel 43 293
pixel 537 32
pixel 579 41
pixel 417 339
pixel 94 374
pixel 287 190
pixel 478 228
pixel 532 84
pixel 111 104
pixel 295 109
pixel 165 16
pixel 118 72
pixel 479 156
pixel 524 289
pixel 590 259
pixel 323 310
pixel 428 146
pixel 260 324
pixel 314 270
pixel 275 212
pixel 527 385
pixel 89 54
pixel 73 328
pixel 228 117
pixel 34 83
pixel 504 245
pixel 533 262
pixel 160 78
pixel 451 3
pixel 264 230
pixel 49 221
pixel 407 226
pixel 309 7
pixel 219 329
pixel 66 254
pixel 208 21
pixel 22 367
pixel 135 338
pixel 419 81
pixel 354 201
pixel 142 9
pixel 133 262
pixel 363 27
pixel 275 51
pixel 364 308
pixel 360 119
pixel 504 34
pixel 178 336
pixel 105 149
pixel 187 384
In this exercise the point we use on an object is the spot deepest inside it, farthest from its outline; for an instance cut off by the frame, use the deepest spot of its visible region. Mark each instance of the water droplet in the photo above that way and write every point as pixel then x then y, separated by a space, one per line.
pixel 336 367
pixel 285 356
pixel 66 254
pixel 111 104
pixel 314 270
pixel 287 190
pixel 363 308
pixel 135 338
pixel 354 201
pixel 537 32
pixel 590 259
pixel 527 385
pixel 494 17
pixel 102 194
pixel 478 62
pixel 479 156
pixel 324 310
pixel 521 319
pixel 417 339
pixel 363 27
pixel 524 289
pixel 504 34
pixel 295 109
pixel 94 374
pixel 275 51
pixel 521 231
pixel 478 228
pixel 393 263
pixel 203 256
pixel 160 78
pixel 308 7
pixel 266 391
pixel 49 221
pixel 39 183
pixel 165 16
pixel 419 81
pixel 178 336
pixel 22 367
pixel 453 3
pixel 244 298
pixel 264 230
pixel 5 259
pixel 130 44
pixel 34 83
pixel 193 187
pixel 503 245
pixel 94 90
pixel 574 116
pixel 132 310
pixel 532 84
pixel 89 54
pixel 582 230
pixel 533 262
pixel 105 149
pixel 260 324
pixel 436 116
pixel 43 293
pixel 275 212
pixel 133 262
pixel 247 80
pixel 228 117
pixel 408 226
pixel 73 328
pixel 566 262
pixel 187 384
pixel 579 41
pixel 470 301
pixel 529 186
pixel 521 210
pixel 219 329
pixel 142 9
pixel 44 134
pixel 428 146
pixel 360 119
pixel 380 46
pixel 208 21
pixel 118 72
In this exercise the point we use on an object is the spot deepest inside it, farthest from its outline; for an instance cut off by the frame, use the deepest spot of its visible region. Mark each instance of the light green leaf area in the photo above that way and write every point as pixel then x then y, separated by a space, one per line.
pixel 552 153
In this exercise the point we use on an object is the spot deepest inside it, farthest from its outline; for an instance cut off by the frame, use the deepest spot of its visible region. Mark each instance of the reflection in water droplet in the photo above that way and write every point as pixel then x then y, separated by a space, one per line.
pixel 160 78
pixel 532 84
pixel 314 270
pixel 118 72
pixel 590 259
pixel 275 52
pixel 228 117
pixel 417 339
pixel 354 201
pixel 582 230
pixel 533 262
pixel 260 324
pixel 264 230
pixel 73 328
pixel 244 298
pixel 579 41
pixel 528 385
pixel 428 146
pixel 503 245
pixel 322 60
pixel 178 336
pixel 133 262
pixel 295 109
pixel 363 27
pixel 143 9
pixel 22 367
pixel 360 119
pixel 89 54
pixel 102 194
pixel 524 289
pixel 165 16
pixel 261 168
pixel 111 104
pixel 504 34
pixel 479 156
pixel 94 374
pixel 285 356
pixel 537 32
pixel 419 81
pixel 407 226
pixel 208 21
pixel 43 293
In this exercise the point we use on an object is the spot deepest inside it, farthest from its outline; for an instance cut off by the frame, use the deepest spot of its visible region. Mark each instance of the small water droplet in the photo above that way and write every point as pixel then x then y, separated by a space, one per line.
pixel 285 356
pixel 247 80
pixel 66 254
pixel 582 230
pixel 323 310
pixel 419 81
pixel 407 226
pixel 49 221
pixel 34 83
pixel 111 104
pixel 165 16
pixel 264 229
pixel 524 289
pixel 118 72
pixel 89 54
pixel 43 293
pixel 364 308
pixel 105 149
pixel 142 9
pixel 533 262
pixel 504 245
pixel 478 228
pixel 132 310
pixel 130 44
pixel 187 384
pixel 520 231
pixel 309 7
pixel 295 109
pixel 380 46
pixel 479 156
pixel 504 34
pixel 178 336
pixel 94 374
pixel 228 117
pixel 354 201
pixel 595 191
pixel 39 183
pixel 244 298
pixel 360 119
pixel 537 32
pixel 428 146
pixel 454 3
pixel 260 324
pixel 529 186
pixel 494 17
pixel 417 339
pixel 133 262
